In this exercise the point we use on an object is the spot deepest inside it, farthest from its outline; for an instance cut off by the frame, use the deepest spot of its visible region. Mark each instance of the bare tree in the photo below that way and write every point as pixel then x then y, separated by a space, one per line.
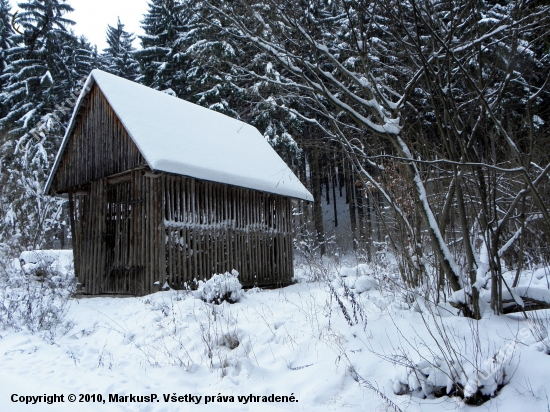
pixel 452 96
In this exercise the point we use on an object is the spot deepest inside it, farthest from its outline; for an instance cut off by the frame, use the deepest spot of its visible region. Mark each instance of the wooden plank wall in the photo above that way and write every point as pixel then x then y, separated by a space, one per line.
pixel 213 228
pixel 132 232
pixel 98 147
pixel 118 236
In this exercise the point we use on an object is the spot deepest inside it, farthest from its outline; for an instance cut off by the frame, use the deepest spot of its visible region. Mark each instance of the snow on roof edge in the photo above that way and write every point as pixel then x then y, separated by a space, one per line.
pixel 252 184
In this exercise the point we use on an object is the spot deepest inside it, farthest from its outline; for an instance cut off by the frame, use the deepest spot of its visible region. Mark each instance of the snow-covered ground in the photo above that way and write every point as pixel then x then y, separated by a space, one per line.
pixel 286 342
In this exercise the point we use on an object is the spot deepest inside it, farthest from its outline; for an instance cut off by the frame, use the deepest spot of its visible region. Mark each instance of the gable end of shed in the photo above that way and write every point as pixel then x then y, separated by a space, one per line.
pixel 98 146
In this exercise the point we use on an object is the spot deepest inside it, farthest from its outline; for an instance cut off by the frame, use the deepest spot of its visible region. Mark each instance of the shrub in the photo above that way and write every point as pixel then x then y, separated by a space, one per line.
pixel 221 288
pixel 473 383
pixel 35 298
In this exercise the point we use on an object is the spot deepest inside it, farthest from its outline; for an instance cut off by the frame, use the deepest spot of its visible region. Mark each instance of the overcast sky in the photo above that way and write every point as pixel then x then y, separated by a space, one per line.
pixel 93 16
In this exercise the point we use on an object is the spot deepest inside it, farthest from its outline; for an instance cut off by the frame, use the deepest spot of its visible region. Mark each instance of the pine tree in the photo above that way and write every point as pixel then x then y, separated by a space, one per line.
pixel 6 42
pixel 118 58
pixel 84 58
pixel 39 72
pixel 42 74
pixel 160 57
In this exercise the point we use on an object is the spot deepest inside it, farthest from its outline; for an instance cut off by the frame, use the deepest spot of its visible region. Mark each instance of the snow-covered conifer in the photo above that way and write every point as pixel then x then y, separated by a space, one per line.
pixel 159 56
pixel 38 71
pixel 44 67
pixel 6 41
pixel 118 58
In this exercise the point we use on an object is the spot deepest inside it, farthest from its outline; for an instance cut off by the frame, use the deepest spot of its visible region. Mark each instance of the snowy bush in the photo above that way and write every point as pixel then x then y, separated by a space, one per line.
pixel 539 326
pixel 436 378
pixel 34 298
pixel 458 364
pixel 365 283
pixel 221 288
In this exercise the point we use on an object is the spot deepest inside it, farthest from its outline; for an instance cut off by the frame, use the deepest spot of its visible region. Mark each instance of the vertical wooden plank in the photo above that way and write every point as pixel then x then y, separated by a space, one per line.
pixel 180 259
pixel 246 236
pixel 188 261
pixel 188 222
pixel 177 247
pixel 182 264
pixel 74 240
pixel 79 222
pixel 160 227
pixel 221 203
pixel 149 230
pixel 136 274
pixel 127 238
pixel 236 241
pixel 224 230
pixel 195 219
pixel 290 236
pixel 184 251
pixel 239 246
pixel 95 236
pixel 279 246
pixel 213 230
pixel 201 205
pixel 235 231
pixel 86 238
pixel 155 205
pixel 142 230
pixel 284 227
pixel 229 231
pixel 176 241
pixel 254 233
pixel 175 271
pixel 265 230
pixel 154 241
pixel 206 235
pixel 80 225
pixel 132 233
pixel 86 243
pixel 172 233
pixel 284 260
pixel 198 221
pixel 90 232
pixel 246 247
pixel 269 228
pixel 274 216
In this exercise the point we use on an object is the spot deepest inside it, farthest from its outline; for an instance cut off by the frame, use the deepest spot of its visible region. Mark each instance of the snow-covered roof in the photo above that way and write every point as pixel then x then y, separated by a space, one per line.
pixel 179 137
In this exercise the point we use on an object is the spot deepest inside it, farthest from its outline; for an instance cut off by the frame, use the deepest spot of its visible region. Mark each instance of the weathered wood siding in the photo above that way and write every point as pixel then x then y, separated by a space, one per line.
pixel 213 228
pixel 142 228
pixel 99 146
pixel 118 240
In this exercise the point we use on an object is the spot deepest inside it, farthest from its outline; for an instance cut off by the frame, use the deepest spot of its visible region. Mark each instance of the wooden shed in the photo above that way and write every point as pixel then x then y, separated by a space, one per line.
pixel 162 190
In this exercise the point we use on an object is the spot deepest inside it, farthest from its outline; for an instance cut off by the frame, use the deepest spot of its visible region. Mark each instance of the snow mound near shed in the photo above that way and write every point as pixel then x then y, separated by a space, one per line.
pixel 57 261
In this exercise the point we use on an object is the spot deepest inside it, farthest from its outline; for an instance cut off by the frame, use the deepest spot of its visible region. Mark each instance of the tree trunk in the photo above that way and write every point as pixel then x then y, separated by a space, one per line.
pixel 317 207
